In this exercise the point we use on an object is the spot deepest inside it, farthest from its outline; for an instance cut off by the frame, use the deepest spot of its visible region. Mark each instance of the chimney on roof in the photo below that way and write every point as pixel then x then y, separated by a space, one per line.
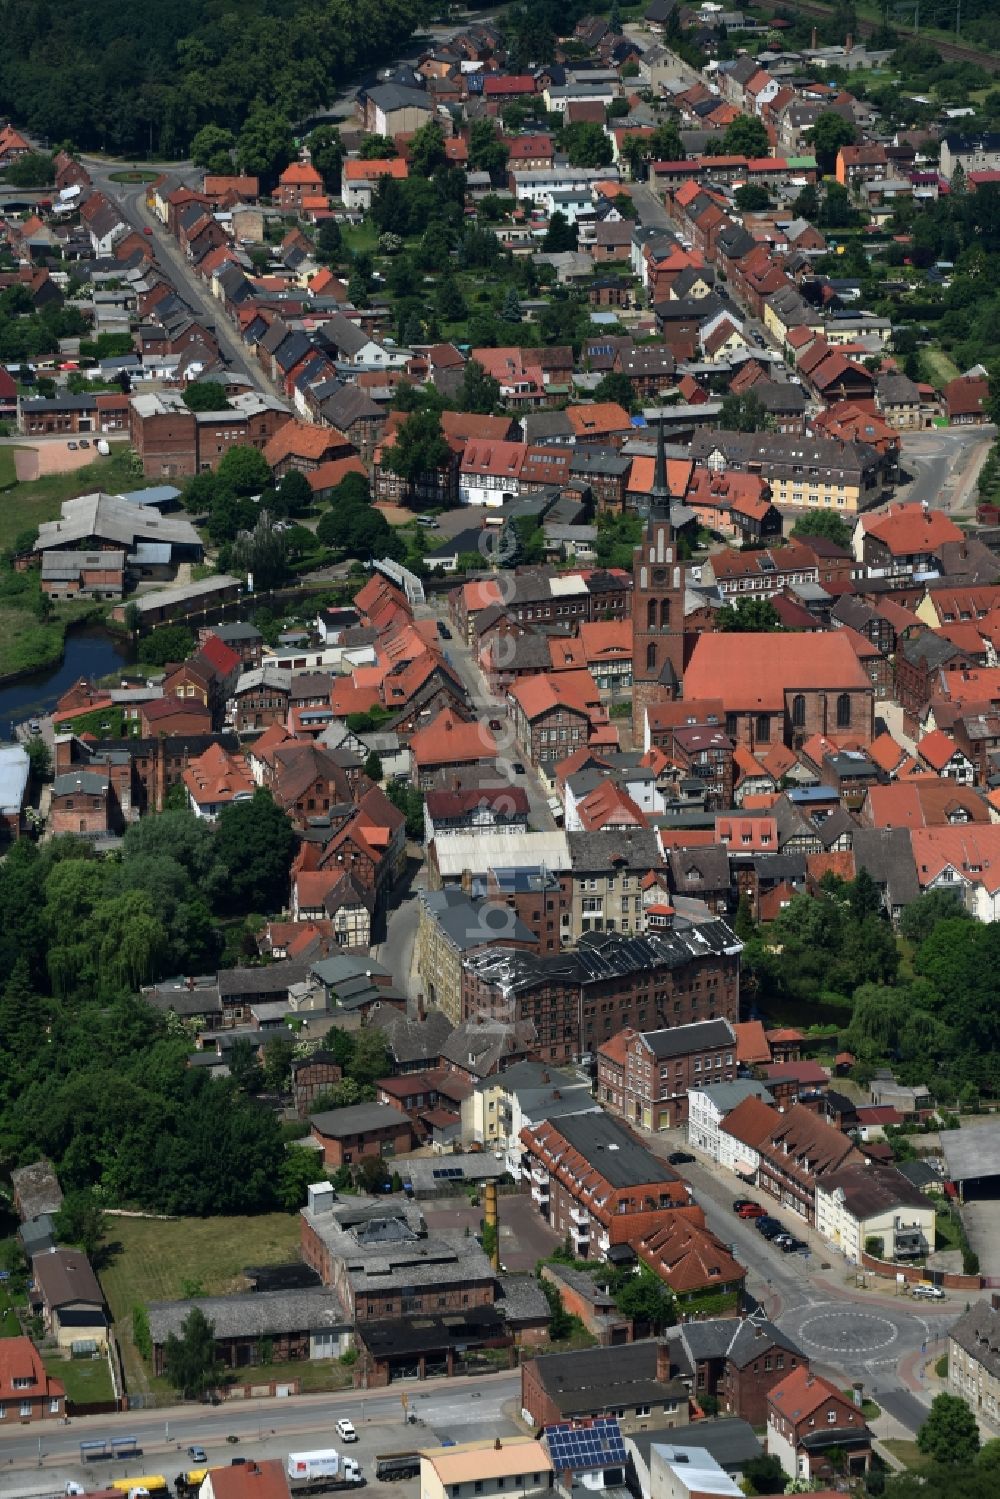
pixel 467 881
pixel 849 42
pixel 663 1363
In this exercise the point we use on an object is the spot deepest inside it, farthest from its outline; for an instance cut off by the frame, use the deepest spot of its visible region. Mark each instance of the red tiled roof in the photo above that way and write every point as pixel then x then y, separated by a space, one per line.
pixel 448 740
pixel 751 672
pixel 909 529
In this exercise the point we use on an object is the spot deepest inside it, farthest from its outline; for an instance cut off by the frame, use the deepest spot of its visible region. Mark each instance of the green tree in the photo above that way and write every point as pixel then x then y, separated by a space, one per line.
pixel 168 643
pixel 262 553
pixel 265 144
pixel 326 152
pixel 949 1435
pixel 645 1298
pixel 191 1362
pixel 752 197
pixel 212 148
pixel 823 523
pixel 487 152
pixel 419 448
pixel 560 235
pixel 744 413
pixel 373 1174
pixel 294 494
pixel 747 616
pixel 479 392
pixel 830 132
pixel 921 916
pixel 244 470
pixel 411 803
pixel 205 395
pixel 377 148
pixel 806 204
pixel 587 145
pixel 746 136
pixel 300 1170
pixel 373 766
pixel 330 241
pixel 615 387
pixel 511 308
pixel 278 1057
pixel 80 1222
pixel 765 1475
pixel 744 925
pixel 34 169
pixel 255 843
pixel 39 760
pixel 427 149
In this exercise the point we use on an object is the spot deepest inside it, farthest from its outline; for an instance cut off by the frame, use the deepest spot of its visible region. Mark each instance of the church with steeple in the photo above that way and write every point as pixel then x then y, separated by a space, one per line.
pixel 657 604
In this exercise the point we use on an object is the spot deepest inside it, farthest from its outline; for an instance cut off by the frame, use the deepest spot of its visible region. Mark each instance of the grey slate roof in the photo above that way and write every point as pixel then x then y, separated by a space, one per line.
pixel 613 1150
pixel 680 1040
pixel 635 849
pixel 730 1440
pixel 260 1314
pixel 412 1040
pixel 592 1380
pixel 726 1096
pixel 469 923
pixel 38 1189
pixel 887 855
pixel 336 1124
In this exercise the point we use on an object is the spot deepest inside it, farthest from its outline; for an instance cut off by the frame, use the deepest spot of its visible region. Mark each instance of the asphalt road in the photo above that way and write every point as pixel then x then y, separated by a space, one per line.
pixel 131 199
pixel 940 462
pixel 461 1408
pixel 493 710
pixel 849 1331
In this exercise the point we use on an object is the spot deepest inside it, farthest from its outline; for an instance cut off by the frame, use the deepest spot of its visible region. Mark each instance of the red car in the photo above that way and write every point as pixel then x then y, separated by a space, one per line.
pixel 752 1210
pixel 148 231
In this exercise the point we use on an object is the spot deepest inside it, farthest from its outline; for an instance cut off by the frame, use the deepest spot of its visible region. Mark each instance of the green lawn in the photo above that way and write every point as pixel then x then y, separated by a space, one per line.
pixel 27 505
pixel 938 366
pixel 908 1453
pixel 28 645
pixel 357 237
pixel 9 1325
pixel 330 1374
pixel 155 1259
pixel 85 1379
pixel 8 468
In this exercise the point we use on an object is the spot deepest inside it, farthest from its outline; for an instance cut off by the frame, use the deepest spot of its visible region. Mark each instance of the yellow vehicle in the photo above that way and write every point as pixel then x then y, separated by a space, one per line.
pixel 149 1483
pixel 190 1482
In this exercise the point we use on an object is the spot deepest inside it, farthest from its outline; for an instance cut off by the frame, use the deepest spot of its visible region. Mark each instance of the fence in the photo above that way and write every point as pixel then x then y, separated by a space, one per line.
pixel 915 1275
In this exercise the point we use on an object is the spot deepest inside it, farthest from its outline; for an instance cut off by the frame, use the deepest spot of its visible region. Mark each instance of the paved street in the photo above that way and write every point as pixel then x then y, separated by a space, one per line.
pixel 850 1331
pixel 462 1408
pixel 944 463
pixel 131 199
pixel 459 657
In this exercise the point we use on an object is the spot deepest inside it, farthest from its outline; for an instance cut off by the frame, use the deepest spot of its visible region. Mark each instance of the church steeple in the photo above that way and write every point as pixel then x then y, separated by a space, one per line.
pixel 659 499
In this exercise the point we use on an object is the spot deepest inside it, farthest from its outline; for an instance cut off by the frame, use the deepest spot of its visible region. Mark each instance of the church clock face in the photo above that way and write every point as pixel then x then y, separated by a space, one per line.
pixel 659 575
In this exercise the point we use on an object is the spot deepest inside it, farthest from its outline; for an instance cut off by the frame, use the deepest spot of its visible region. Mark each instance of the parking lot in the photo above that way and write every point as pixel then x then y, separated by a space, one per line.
pixel 525 1237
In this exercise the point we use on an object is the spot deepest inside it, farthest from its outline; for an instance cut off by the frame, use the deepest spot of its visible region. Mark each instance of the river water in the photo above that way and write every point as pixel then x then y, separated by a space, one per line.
pixel 90 652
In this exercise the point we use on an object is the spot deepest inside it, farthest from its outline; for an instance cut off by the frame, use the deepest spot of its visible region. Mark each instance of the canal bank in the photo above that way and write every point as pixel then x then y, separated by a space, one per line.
pixel 88 651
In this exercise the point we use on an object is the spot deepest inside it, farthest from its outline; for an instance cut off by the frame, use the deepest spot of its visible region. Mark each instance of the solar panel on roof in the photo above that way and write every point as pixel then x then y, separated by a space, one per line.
pixel 598 1445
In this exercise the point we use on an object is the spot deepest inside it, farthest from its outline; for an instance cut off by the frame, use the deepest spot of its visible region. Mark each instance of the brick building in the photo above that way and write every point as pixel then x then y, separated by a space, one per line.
pixel 638 1383
pixel 577 1000
pixel 591 1179
pixel 657 603
pixel 784 688
pixel 354 1134
pixel 644 1077
pixel 383 1264
pixel 27 1393
pixel 738 1361
pixel 175 442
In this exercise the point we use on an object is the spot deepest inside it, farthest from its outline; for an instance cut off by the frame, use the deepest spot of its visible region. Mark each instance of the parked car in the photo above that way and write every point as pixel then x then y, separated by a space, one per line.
pixel 517 768
pixel 443 630
pixel 751 1210
pixel 770 1228
pixel 345 1430
pixel 72 446
pixel 790 1245
pixel 198 1456
pixel 148 231
pixel 84 442
pixel 927 1292
pixel 679 1157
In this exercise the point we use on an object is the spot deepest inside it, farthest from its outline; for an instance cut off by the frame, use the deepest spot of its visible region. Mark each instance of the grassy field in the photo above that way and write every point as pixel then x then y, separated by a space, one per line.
pixel 908 1453
pixel 27 505
pixel 938 366
pixel 154 1261
pixel 359 237
pixel 28 645
pixel 8 468
pixel 157 1259
pixel 85 1379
